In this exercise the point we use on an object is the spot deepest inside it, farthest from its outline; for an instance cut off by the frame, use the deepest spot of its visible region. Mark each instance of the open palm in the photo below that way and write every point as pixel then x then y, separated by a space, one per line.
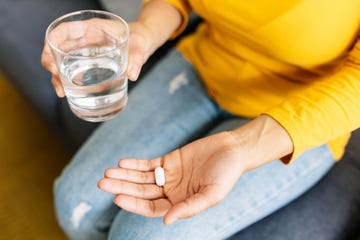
pixel 198 176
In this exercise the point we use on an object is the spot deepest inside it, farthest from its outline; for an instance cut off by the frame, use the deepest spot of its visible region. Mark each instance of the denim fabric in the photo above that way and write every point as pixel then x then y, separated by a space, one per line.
pixel 330 210
pixel 166 110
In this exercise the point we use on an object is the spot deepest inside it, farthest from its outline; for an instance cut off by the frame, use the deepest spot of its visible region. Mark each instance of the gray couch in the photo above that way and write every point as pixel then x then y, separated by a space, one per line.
pixel 330 210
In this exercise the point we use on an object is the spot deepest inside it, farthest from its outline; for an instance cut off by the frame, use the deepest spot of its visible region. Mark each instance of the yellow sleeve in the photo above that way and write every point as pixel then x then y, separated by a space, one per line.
pixel 184 8
pixel 327 109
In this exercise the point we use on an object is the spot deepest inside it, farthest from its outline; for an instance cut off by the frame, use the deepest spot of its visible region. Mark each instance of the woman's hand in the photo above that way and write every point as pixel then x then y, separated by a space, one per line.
pixel 198 175
pixel 156 22
pixel 140 46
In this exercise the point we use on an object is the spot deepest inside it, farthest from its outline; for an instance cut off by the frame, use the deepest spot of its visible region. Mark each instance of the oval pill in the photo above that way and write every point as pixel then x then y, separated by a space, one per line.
pixel 159 176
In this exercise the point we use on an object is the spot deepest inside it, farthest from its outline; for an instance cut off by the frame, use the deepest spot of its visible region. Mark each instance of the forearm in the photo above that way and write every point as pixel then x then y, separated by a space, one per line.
pixel 262 140
pixel 161 19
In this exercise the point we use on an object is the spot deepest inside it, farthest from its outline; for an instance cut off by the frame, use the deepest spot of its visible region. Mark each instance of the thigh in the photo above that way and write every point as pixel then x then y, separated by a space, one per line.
pixel 326 212
pixel 257 194
pixel 164 111
pixel 329 211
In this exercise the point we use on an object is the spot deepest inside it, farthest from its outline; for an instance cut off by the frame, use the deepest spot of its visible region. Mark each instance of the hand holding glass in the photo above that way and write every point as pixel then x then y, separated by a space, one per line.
pixel 90 50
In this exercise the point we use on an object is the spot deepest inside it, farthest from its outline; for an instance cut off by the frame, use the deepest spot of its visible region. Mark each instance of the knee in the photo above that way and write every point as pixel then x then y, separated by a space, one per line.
pixel 129 226
pixel 77 207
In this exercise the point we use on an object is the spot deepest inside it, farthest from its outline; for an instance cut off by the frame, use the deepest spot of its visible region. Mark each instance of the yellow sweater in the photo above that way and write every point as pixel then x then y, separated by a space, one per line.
pixel 296 60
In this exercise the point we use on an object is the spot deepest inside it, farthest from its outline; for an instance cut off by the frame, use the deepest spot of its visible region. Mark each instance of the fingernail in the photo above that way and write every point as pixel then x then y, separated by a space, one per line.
pixel 170 221
pixel 134 72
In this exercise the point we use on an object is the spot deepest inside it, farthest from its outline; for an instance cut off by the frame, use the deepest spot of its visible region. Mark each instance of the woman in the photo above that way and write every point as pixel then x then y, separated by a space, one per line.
pixel 255 83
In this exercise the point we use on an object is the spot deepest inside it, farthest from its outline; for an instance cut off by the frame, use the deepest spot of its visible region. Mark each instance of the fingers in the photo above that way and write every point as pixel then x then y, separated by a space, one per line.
pixel 130 175
pixel 145 191
pixel 132 181
pixel 69 36
pixel 48 63
pixel 59 89
pixel 192 206
pixel 47 60
pixel 147 208
pixel 140 164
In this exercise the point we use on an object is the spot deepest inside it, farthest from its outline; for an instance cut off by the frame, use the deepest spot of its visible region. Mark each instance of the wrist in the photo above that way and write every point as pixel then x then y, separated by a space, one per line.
pixel 142 30
pixel 263 141
pixel 161 19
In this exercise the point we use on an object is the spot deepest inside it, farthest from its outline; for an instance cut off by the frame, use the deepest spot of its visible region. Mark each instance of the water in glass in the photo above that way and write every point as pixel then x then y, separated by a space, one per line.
pixel 96 88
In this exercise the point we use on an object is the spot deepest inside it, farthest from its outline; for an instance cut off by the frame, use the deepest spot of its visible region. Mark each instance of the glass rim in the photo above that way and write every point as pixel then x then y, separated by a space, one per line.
pixel 57 20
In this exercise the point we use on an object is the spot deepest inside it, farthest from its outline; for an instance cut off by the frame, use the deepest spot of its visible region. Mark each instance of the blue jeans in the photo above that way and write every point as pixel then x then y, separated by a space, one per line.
pixel 166 110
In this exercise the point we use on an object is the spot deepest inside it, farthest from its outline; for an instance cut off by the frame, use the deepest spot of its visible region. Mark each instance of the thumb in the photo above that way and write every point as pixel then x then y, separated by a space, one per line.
pixel 193 205
pixel 135 65
pixel 139 49
pixel 137 56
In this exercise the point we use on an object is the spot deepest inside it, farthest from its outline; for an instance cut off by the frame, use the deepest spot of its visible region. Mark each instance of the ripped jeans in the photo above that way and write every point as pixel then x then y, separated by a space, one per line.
pixel 166 110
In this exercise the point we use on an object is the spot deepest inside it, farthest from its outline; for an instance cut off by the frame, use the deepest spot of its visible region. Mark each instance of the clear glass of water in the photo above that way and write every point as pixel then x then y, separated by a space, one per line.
pixel 90 50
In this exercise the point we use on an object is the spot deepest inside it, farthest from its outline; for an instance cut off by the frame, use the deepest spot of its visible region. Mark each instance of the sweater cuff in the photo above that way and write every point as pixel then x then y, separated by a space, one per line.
pixel 286 120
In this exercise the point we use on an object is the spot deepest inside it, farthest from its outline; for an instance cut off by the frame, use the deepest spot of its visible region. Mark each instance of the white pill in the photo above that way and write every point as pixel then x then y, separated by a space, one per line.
pixel 159 176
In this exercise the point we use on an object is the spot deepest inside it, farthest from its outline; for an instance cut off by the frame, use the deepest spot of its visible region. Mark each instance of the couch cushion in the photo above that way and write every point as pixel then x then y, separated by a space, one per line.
pixel 23 25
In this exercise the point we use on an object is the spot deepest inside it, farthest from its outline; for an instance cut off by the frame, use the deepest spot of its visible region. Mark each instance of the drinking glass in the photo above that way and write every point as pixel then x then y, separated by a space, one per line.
pixel 90 50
